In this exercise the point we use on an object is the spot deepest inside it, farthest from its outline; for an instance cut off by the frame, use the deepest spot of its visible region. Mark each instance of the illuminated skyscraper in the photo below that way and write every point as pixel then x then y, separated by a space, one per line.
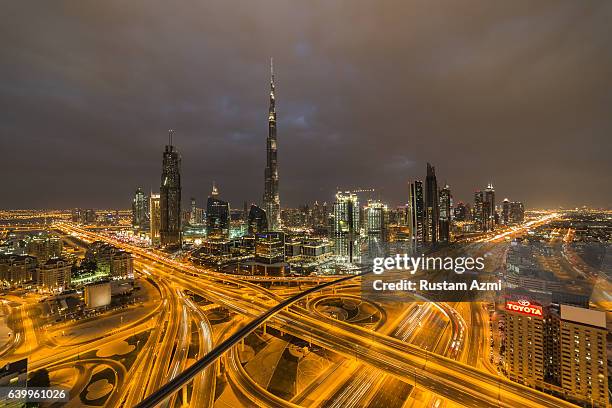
pixel 217 215
pixel 140 210
pixel 193 212
pixel 489 208
pixel 154 218
pixel 344 226
pixel 445 213
pixel 517 212
pixel 506 211
pixel 376 216
pixel 432 210
pixel 416 212
pixel 170 196
pixel 345 214
pixel 271 199
pixel 258 222
pixel 478 215
pixel 462 212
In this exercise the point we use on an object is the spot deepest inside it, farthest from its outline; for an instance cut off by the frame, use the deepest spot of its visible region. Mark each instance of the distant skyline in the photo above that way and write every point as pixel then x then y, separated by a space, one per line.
pixel 513 93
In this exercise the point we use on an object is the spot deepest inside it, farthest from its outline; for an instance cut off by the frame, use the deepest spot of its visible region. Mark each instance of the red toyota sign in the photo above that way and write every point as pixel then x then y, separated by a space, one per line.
pixel 524 307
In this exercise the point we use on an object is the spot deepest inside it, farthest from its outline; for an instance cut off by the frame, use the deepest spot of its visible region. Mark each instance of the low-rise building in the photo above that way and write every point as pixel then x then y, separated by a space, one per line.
pixel 111 261
pixel 54 275
pixel 16 270
pixel 97 294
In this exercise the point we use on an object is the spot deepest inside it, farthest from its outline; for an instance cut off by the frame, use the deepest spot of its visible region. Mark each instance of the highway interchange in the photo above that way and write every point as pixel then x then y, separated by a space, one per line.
pixel 430 354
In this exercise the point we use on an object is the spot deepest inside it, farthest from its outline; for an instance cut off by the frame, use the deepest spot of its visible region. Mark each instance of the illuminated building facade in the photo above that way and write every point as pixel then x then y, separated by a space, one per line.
pixel 478 215
pixel 524 342
pixel 271 198
pixel 505 218
pixel 54 275
pixel 488 208
pixel 154 218
pixel 558 348
pixel 140 210
pixel 345 215
pixel 44 246
pixel 258 222
pixel 432 209
pixel 111 261
pixel 319 213
pixel 217 215
pixel 376 217
pixel 462 212
pixel 170 196
pixel 97 294
pixel 345 227
pixel 269 255
pixel 193 211
pixel 445 213
pixel 583 354
pixel 517 212
pixel 416 209
pixel 16 270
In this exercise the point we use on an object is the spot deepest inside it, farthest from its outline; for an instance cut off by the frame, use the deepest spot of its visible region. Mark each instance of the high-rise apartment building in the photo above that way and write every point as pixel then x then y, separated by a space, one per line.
pixel 583 354
pixel 525 342
pixel 558 348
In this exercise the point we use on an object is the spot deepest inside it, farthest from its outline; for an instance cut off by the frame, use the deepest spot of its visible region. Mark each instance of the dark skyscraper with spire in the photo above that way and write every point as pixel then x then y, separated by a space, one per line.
pixel 170 196
pixel 271 199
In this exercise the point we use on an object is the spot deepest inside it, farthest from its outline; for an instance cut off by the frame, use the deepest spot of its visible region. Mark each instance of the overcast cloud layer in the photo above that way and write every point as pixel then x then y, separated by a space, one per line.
pixel 516 93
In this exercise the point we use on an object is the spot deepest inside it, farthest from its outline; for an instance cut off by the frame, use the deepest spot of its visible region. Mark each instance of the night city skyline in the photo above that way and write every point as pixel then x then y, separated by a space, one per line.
pixel 329 204
pixel 104 100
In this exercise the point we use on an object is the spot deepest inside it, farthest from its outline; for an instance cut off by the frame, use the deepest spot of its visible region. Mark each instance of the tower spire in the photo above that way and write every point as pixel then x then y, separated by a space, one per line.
pixel 170 135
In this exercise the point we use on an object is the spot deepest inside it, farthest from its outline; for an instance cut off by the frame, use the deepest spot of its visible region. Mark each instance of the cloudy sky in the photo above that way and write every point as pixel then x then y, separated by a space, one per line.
pixel 516 93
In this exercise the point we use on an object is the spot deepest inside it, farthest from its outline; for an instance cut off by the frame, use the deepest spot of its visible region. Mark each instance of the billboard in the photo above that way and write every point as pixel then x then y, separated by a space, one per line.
pixel 524 307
